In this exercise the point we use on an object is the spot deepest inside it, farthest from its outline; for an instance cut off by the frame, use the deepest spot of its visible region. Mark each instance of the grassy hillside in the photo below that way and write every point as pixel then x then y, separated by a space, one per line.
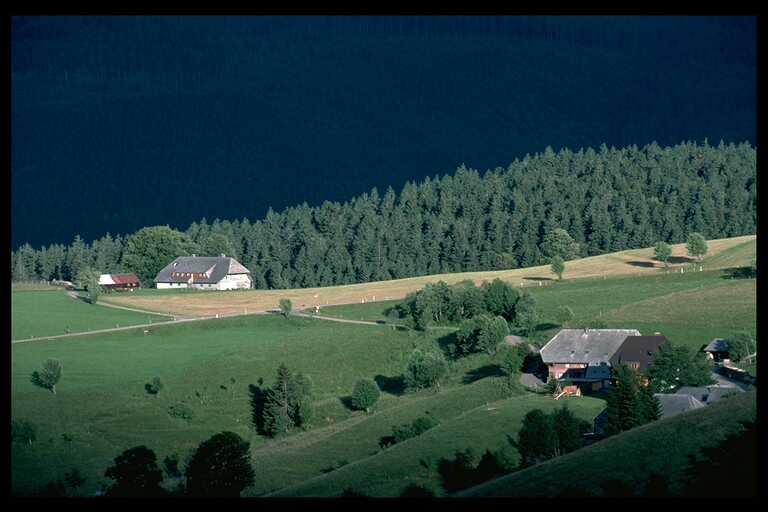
pixel 660 447
pixel 690 308
pixel 48 313
pixel 101 403
pixel 631 262
pixel 388 472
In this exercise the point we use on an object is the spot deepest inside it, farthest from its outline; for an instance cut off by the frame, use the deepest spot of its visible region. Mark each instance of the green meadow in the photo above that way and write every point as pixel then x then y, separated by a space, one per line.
pixel 689 308
pixel 661 447
pixel 49 313
pixel 101 407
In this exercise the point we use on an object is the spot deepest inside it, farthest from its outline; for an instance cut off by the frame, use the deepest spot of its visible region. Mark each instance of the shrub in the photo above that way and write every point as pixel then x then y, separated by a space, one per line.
pixel 171 464
pixel 48 376
pixel 365 394
pixel 286 307
pixel 182 411
pixel 413 429
pixel 154 387
pixel 23 432
pixel 425 369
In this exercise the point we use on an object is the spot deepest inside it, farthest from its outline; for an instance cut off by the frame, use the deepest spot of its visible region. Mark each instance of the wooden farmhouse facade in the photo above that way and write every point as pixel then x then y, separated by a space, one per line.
pixel 204 272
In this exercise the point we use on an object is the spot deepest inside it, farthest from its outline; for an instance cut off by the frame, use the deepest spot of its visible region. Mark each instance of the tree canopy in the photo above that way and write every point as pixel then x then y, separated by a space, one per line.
pixel 220 467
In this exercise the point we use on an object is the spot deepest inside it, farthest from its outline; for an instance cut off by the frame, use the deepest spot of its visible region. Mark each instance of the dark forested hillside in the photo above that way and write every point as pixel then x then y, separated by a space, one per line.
pixel 124 122
pixel 607 199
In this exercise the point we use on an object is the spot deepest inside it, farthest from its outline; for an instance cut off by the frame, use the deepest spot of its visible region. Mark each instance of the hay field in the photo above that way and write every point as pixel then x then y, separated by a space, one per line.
pixel 634 261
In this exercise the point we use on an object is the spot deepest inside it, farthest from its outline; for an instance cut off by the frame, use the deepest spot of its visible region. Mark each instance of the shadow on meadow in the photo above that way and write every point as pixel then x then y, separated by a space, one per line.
pixel 392 385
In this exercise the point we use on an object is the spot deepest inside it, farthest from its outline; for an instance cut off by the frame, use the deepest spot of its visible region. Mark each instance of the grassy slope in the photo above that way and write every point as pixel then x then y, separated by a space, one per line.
pixel 48 313
pixel 631 262
pixel 690 308
pixel 389 471
pixel 660 447
pixel 101 402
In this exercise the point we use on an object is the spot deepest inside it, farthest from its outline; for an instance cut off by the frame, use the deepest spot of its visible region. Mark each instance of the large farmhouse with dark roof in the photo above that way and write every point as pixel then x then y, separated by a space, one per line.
pixel 204 272
pixel 583 356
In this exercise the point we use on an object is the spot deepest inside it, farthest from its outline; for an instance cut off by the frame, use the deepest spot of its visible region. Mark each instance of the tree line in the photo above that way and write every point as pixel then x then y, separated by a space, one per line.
pixel 606 200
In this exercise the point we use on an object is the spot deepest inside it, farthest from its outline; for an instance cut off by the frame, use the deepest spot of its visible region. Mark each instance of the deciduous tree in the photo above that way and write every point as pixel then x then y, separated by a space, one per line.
pixel 220 467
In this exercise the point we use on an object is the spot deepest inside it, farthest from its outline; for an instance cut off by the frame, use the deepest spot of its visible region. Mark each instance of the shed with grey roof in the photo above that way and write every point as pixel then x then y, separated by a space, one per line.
pixel 204 272
pixel 718 349
pixel 673 404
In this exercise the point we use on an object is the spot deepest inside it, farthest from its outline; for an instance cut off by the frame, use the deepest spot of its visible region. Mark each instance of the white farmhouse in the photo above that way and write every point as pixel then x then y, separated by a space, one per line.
pixel 205 272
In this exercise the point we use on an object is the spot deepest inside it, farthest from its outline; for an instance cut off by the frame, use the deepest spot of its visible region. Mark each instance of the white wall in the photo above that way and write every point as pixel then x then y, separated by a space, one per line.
pixel 234 282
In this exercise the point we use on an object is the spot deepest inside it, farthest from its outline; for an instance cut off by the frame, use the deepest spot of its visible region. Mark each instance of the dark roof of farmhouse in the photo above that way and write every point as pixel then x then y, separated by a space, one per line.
pixel 216 267
pixel 717 345
pixel 592 346
pixel 638 349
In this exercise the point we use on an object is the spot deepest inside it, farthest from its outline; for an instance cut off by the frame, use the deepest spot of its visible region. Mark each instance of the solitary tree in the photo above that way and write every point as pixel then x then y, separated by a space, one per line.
pixel 558 267
pixel 536 440
pixel 662 252
pixel 135 473
pixel 564 315
pixel 286 307
pixel 48 376
pixel 221 466
pixel 697 245
pixel 567 430
pixel 425 369
pixel 365 394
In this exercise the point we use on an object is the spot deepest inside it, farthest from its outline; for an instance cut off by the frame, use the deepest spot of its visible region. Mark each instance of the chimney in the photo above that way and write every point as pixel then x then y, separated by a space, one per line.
pixel 193 255
pixel 223 255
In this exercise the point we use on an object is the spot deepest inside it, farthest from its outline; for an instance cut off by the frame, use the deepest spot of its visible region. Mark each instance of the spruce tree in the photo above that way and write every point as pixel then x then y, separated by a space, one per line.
pixel 537 439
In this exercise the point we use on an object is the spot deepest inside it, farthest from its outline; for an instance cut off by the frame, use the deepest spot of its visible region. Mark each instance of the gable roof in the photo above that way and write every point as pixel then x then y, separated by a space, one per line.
pixel 125 278
pixel 112 279
pixel 638 349
pixel 675 403
pixel 217 268
pixel 591 346
pixel 708 394
pixel 717 345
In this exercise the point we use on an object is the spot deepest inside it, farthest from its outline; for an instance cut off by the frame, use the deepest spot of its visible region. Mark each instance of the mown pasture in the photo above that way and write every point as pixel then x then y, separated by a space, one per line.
pixel 102 407
pixel 630 262
pixel 50 313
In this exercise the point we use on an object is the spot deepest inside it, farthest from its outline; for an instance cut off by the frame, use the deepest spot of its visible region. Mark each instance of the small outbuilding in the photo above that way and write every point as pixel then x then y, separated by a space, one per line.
pixel 119 282
pixel 718 349
pixel 673 404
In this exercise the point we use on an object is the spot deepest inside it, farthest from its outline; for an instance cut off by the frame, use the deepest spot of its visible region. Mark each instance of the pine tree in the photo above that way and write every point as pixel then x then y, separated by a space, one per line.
pixel 649 407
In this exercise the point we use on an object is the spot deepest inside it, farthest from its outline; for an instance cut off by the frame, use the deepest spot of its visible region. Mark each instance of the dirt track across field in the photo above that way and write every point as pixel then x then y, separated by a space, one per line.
pixel 631 262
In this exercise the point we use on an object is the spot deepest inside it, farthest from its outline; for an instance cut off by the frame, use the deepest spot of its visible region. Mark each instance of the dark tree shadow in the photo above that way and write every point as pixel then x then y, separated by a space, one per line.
pixel 642 264
pixel 675 260
pixel 448 345
pixel 533 364
pixel 538 279
pixel 739 273
pixel 546 326
pixel 258 396
pixel 489 370
pixel 392 385
pixel 346 401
